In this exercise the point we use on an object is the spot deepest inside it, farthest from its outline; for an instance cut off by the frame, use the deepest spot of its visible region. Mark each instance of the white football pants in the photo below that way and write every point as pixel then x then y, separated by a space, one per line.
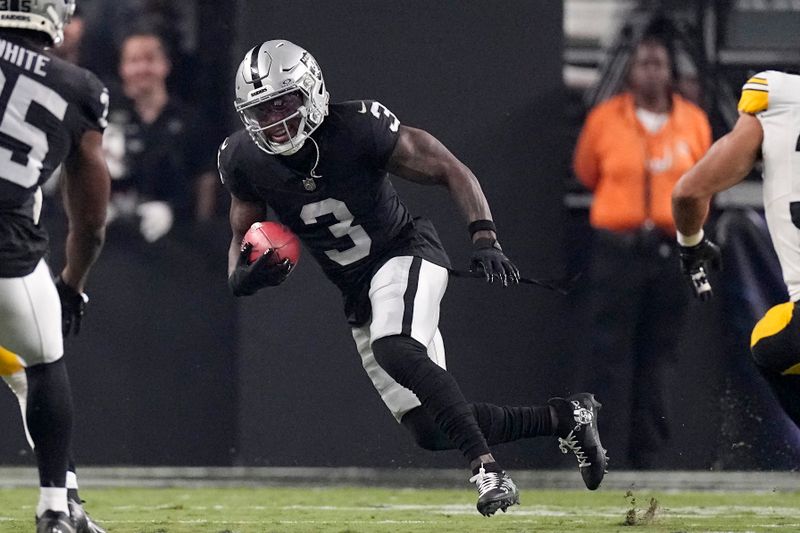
pixel 404 294
pixel 30 320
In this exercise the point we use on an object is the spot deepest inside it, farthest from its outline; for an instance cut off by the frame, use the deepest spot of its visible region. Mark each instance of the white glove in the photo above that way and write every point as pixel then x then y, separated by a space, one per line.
pixel 156 220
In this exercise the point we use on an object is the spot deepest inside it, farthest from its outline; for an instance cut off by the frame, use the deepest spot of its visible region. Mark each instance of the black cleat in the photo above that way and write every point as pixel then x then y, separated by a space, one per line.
pixel 83 522
pixel 577 433
pixel 495 491
pixel 54 522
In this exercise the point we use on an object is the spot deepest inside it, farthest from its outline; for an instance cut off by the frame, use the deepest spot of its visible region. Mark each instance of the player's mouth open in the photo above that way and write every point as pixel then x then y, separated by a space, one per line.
pixel 279 135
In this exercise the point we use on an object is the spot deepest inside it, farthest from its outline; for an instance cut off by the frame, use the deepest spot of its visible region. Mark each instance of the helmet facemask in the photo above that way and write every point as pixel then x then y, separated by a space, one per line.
pixel 259 130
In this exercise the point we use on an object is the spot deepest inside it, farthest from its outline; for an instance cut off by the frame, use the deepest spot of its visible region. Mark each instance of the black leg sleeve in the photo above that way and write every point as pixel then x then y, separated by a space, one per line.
pixel 498 424
pixel 506 424
pixel 407 362
pixel 49 417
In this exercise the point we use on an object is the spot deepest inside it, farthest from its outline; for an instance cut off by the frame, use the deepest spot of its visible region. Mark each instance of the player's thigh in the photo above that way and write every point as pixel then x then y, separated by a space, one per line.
pixel 30 317
pixel 405 294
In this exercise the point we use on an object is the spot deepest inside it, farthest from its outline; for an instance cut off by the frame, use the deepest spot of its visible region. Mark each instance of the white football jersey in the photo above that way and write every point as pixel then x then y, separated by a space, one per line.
pixel 774 98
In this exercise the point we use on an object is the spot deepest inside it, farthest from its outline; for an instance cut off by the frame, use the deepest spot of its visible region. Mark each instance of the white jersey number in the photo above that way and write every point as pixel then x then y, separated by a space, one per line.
pixel 378 109
pixel 23 146
pixel 342 229
pixel 794 207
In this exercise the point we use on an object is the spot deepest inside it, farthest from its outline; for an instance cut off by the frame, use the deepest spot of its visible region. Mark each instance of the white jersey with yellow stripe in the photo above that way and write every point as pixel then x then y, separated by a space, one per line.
pixel 774 98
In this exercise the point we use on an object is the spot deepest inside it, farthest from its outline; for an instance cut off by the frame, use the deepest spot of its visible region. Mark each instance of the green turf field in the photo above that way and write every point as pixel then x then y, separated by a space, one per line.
pixel 369 510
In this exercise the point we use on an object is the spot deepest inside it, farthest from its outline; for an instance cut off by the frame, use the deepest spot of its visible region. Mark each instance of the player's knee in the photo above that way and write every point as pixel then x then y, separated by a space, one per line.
pixel 775 341
pixel 433 442
pixel 773 359
pixel 11 363
pixel 424 431
pixel 398 354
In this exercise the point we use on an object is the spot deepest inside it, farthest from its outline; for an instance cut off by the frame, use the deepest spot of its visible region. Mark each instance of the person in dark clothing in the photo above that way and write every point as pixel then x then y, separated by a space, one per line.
pixel 159 151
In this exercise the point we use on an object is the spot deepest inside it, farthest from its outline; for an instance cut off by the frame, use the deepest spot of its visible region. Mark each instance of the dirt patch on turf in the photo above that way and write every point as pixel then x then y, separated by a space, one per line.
pixel 640 517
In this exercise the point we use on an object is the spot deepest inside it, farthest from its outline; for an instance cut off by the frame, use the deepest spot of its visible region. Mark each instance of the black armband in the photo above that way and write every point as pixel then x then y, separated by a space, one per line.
pixel 481 225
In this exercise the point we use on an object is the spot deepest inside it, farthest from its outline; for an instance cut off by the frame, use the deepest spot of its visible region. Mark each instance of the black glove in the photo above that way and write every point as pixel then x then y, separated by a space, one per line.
pixel 73 305
pixel 248 278
pixel 488 257
pixel 695 261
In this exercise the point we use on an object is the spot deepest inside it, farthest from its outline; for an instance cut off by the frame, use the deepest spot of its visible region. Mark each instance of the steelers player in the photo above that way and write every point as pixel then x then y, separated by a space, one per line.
pixel 51 113
pixel 768 128
pixel 323 169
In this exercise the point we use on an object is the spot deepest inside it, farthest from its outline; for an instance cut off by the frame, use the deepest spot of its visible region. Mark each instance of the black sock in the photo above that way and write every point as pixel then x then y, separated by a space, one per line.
pixel 488 467
pixel 49 417
pixel 505 424
pixel 407 362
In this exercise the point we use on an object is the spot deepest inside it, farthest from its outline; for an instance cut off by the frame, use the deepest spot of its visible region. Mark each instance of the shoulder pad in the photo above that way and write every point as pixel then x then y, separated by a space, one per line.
pixel 755 94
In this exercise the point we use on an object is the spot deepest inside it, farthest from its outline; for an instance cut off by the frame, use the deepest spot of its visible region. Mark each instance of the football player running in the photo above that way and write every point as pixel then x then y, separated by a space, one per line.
pixel 52 113
pixel 769 128
pixel 323 169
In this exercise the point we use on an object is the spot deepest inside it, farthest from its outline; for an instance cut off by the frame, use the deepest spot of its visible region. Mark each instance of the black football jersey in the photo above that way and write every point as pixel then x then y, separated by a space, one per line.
pixel 46 105
pixel 351 218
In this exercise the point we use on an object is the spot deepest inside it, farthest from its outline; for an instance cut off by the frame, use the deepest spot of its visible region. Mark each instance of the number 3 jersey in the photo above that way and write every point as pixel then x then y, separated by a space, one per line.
pixel 774 98
pixel 351 218
pixel 46 105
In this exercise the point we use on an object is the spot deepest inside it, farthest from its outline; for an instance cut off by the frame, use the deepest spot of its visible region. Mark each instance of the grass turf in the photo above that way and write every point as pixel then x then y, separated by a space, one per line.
pixel 381 510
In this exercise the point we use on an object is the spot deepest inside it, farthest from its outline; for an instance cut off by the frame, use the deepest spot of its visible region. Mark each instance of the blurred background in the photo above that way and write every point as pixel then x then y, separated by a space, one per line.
pixel 170 369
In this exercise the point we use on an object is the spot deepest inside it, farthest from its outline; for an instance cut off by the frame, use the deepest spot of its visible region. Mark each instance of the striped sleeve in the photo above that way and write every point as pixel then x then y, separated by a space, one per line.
pixel 755 94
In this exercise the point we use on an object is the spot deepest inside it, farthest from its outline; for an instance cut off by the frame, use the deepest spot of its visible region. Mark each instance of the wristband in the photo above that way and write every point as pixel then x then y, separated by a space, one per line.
pixel 486 242
pixel 481 225
pixel 690 240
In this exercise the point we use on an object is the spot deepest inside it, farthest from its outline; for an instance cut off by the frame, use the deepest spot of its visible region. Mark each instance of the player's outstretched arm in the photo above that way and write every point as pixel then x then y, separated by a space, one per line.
pixel 86 187
pixel 419 157
pixel 725 164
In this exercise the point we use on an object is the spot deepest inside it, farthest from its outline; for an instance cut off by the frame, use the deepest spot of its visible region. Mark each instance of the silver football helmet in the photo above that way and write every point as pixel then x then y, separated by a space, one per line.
pixel 274 69
pixel 46 16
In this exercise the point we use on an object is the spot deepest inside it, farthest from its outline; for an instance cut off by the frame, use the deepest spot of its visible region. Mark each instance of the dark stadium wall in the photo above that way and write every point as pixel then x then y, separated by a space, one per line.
pixel 486 80
pixel 171 370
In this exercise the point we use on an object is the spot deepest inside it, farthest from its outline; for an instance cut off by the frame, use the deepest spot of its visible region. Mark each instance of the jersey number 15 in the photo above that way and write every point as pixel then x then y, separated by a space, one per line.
pixel 23 143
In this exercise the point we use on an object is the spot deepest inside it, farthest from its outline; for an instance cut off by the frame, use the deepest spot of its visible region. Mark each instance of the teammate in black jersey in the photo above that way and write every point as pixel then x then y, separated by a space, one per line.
pixel 323 169
pixel 51 113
